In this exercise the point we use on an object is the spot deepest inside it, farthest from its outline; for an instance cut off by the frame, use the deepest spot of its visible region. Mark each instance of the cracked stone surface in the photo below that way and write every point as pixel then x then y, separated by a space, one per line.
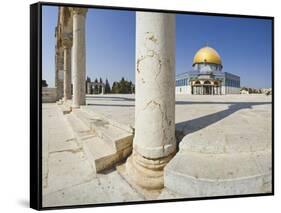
pixel 155 85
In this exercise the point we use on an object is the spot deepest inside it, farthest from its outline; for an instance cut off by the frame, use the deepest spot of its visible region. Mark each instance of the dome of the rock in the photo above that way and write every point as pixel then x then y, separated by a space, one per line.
pixel 207 55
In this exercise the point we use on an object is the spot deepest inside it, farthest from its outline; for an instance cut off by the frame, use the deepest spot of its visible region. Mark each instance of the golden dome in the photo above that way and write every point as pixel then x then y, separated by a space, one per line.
pixel 207 55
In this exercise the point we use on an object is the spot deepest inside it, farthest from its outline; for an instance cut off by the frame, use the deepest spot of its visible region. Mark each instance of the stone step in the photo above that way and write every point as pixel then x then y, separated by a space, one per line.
pixel 80 130
pixel 103 144
pixel 100 154
pixel 65 106
pixel 59 102
pixel 116 137
pixel 196 174
pixel 103 156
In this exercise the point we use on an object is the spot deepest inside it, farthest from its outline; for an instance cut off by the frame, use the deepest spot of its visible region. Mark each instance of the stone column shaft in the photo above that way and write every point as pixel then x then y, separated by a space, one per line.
pixel 79 58
pixel 67 70
pixel 59 77
pixel 89 88
pixel 154 142
pixel 102 89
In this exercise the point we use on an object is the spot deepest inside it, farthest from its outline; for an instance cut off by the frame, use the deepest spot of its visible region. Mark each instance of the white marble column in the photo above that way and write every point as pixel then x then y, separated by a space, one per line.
pixel 67 43
pixel 102 89
pixel 154 142
pixel 79 57
pixel 89 88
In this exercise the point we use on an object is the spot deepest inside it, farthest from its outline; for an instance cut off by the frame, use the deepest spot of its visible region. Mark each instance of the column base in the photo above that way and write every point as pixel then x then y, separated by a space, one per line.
pixel 66 99
pixel 75 107
pixel 147 173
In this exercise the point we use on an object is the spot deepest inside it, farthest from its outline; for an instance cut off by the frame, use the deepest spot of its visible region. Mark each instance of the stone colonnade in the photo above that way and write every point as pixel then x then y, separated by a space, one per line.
pixel 201 90
pixel 206 87
pixel 91 85
pixel 70 55
pixel 154 141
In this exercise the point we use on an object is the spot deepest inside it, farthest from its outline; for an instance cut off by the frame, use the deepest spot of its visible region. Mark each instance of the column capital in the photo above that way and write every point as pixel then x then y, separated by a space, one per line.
pixel 78 11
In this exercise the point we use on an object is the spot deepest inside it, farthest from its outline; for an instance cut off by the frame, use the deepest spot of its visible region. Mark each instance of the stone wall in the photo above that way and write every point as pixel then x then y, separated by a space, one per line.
pixel 49 95
pixel 182 90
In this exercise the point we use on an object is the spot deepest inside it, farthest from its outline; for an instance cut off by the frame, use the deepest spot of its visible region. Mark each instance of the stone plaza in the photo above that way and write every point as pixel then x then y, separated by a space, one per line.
pixel 224 148
pixel 153 144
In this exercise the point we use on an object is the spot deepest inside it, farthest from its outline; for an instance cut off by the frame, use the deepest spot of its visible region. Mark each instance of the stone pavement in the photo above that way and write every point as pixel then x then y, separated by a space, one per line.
pixel 115 106
pixel 68 177
pixel 188 107
pixel 211 126
pixel 225 141
pixel 226 150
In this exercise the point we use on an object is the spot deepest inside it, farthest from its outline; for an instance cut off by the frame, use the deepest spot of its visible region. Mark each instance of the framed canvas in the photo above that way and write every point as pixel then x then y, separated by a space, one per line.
pixel 133 106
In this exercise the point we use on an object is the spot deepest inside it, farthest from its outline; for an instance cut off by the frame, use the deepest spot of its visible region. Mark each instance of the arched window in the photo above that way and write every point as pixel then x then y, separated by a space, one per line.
pixel 207 82
pixel 197 82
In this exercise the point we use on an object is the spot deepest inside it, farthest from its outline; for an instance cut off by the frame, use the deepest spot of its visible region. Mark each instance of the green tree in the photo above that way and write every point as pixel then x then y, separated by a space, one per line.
pixel 44 83
pixel 96 88
pixel 132 87
pixel 123 87
pixel 244 88
pixel 115 87
pixel 88 80
pixel 100 86
pixel 107 86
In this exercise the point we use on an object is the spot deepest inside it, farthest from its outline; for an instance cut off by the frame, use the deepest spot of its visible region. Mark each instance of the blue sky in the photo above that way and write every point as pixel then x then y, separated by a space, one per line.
pixel 244 44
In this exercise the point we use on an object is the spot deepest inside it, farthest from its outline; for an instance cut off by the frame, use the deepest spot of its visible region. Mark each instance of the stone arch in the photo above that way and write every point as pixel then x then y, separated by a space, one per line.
pixel 197 82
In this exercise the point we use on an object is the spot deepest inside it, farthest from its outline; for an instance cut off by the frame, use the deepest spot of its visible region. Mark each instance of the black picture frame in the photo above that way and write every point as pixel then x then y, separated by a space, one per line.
pixel 36 103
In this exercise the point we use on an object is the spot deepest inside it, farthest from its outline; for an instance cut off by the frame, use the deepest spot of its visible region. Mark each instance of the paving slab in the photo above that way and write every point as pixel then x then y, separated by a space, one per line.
pixel 107 188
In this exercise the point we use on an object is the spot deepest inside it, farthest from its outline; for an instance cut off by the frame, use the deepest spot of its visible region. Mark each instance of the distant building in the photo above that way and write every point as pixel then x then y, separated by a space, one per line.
pixel 207 77
pixel 244 91
pixel 267 91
